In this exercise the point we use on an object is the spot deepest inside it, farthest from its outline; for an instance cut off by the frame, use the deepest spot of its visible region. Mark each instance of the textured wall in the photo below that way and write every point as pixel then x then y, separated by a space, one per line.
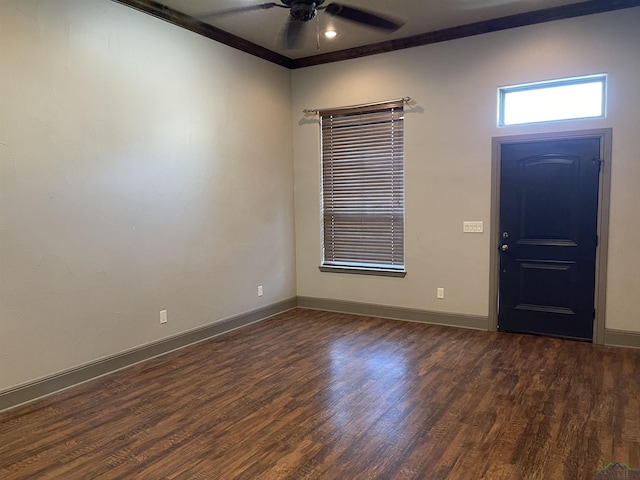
pixel 142 168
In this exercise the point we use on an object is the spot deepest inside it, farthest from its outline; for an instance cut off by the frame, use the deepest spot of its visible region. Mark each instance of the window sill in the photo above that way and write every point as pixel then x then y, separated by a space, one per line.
pixel 363 271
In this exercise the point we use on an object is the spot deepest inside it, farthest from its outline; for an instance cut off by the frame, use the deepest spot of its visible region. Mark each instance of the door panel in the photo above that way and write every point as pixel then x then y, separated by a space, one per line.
pixel 547 196
pixel 548 225
pixel 546 286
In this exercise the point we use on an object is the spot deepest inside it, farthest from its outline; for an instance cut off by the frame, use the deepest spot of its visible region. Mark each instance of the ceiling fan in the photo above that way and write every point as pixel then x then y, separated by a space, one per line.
pixel 303 11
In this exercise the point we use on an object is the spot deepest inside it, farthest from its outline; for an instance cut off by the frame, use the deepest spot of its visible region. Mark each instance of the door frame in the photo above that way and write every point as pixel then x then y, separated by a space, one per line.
pixel 604 193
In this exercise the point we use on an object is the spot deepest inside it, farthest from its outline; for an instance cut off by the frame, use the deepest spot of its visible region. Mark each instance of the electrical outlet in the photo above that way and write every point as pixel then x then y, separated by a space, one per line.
pixel 163 316
pixel 259 290
pixel 440 292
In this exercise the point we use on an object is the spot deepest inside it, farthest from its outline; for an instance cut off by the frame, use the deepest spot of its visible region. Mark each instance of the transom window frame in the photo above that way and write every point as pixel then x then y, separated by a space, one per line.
pixel 600 78
pixel 352 137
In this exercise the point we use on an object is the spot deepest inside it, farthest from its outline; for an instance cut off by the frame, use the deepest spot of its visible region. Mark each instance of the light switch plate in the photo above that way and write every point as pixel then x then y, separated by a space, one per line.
pixel 472 227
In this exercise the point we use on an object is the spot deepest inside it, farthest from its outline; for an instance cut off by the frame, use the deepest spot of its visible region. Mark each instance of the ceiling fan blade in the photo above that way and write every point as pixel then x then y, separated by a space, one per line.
pixel 363 17
pixel 229 11
pixel 292 35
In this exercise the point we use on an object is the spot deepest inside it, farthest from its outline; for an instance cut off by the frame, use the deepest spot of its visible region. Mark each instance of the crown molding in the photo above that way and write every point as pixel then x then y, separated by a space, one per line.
pixel 573 10
pixel 188 22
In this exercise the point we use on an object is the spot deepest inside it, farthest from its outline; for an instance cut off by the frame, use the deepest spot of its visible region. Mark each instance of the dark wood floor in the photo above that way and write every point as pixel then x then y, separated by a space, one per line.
pixel 314 395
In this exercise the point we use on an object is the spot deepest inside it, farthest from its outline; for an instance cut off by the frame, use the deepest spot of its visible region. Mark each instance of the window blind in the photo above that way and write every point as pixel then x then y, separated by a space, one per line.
pixel 363 187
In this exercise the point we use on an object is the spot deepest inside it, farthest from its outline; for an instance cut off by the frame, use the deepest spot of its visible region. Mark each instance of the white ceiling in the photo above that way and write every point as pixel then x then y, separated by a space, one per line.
pixel 264 27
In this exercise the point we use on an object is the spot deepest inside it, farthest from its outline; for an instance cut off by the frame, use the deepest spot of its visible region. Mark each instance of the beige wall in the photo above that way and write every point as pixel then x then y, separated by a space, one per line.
pixel 142 167
pixel 448 155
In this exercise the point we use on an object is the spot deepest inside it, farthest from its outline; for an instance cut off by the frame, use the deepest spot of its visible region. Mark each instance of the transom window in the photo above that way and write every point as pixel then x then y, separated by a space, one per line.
pixel 564 99
pixel 363 189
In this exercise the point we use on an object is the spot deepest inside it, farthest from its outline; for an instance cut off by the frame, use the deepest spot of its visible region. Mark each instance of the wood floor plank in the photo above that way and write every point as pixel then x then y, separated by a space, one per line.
pixel 317 395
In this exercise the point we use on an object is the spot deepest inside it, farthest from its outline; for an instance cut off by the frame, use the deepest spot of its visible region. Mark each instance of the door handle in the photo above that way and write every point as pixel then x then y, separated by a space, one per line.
pixel 504 248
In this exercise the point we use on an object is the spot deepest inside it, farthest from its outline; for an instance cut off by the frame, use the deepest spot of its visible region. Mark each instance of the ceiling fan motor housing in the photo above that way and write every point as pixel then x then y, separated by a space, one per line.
pixel 303 10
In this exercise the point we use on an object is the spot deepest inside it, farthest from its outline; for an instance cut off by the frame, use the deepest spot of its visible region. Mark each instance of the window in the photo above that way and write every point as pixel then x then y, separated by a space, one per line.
pixel 363 189
pixel 565 99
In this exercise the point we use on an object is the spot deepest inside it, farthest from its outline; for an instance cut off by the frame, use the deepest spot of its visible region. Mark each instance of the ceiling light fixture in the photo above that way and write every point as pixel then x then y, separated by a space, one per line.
pixel 330 34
